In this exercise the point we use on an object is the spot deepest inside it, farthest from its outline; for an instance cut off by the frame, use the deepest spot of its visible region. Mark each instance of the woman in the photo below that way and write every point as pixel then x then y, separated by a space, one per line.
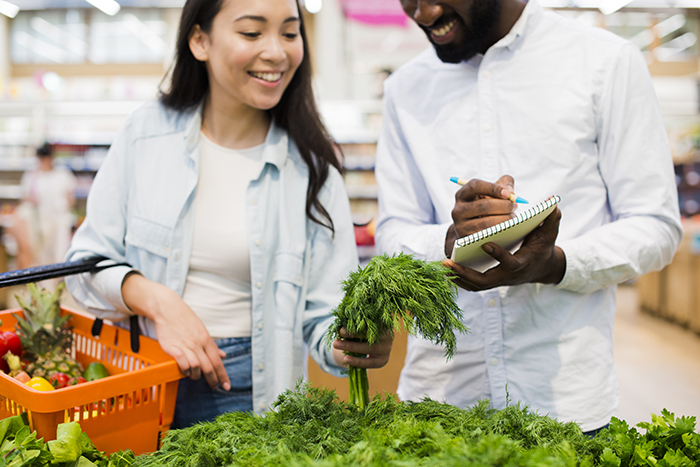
pixel 226 197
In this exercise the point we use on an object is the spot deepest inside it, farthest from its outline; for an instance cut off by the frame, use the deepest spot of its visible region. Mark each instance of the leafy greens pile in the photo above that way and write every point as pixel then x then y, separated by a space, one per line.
pixel 392 291
pixel 71 448
pixel 312 427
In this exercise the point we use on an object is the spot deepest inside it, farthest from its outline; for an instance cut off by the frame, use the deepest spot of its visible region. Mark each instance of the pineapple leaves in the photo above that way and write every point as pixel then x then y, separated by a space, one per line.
pixel 399 291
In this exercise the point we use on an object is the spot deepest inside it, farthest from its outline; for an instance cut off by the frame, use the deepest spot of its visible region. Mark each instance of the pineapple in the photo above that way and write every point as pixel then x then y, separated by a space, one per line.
pixel 46 337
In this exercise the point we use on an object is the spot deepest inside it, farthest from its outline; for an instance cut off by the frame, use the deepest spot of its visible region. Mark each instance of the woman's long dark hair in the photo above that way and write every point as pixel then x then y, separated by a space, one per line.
pixel 296 112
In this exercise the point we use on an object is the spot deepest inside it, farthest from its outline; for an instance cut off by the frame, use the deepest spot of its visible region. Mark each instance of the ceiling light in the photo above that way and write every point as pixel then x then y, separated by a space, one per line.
pixel 313 6
pixel 108 7
pixel 611 6
pixel 8 9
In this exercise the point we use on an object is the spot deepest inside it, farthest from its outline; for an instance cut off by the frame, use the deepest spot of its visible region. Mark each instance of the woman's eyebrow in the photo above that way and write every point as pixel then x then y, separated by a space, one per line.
pixel 262 19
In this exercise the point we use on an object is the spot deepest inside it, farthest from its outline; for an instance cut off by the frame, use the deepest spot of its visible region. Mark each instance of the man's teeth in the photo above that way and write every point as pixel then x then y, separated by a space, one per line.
pixel 271 77
pixel 443 30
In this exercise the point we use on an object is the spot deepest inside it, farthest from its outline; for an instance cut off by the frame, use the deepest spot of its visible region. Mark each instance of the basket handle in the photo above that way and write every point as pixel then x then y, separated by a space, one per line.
pixel 52 271
pixel 91 264
pixel 134 331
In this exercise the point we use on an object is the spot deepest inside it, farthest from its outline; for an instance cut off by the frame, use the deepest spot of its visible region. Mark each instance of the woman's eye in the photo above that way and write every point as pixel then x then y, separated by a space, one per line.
pixel 291 35
pixel 250 34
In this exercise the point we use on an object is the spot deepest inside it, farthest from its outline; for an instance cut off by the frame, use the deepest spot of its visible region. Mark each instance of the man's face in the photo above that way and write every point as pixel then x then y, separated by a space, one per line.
pixel 458 29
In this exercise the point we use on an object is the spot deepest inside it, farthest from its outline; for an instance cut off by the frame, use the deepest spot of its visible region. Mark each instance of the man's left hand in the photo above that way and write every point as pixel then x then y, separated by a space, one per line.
pixel 537 260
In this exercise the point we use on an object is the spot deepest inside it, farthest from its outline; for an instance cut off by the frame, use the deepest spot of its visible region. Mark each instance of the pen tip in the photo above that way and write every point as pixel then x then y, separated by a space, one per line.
pixel 454 179
pixel 521 200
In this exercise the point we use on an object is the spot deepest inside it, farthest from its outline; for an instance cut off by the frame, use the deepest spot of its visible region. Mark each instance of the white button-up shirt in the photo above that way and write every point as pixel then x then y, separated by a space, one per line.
pixel 141 211
pixel 566 110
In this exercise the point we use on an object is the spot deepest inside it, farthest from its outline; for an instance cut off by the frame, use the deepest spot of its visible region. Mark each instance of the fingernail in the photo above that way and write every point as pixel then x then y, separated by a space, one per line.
pixel 487 248
pixel 227 386
pixel 505 193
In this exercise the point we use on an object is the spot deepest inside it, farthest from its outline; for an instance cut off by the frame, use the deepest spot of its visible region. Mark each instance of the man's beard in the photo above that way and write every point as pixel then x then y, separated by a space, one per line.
pixel 471 40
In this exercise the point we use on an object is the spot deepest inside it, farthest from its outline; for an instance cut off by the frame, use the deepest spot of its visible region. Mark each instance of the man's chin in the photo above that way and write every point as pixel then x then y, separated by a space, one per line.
pixel 452 54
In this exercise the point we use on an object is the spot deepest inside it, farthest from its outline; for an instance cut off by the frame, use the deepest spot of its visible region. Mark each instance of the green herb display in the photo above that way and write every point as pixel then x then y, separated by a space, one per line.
pixel 72 448
pixel 395 291
pixel 312 427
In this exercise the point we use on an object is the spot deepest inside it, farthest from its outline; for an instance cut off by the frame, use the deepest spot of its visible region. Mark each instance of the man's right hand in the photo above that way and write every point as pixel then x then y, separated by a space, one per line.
pixel 181 334
pixel 479 205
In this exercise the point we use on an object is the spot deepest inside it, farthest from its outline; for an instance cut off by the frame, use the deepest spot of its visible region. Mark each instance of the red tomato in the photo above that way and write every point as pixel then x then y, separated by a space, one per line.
pixel 3 350
pixel 14 345
pixel 59 380
pixel 76 380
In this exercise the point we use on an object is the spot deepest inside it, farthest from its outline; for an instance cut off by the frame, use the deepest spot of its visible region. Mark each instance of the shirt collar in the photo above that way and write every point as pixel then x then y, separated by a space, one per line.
pixel 276 142
pixel 528 19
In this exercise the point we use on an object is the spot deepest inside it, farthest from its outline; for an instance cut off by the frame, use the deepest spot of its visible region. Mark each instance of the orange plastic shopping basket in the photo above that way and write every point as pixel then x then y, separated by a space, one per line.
pixel 130 409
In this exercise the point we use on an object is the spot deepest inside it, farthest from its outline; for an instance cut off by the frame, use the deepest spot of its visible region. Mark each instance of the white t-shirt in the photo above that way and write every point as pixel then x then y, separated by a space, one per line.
pixel 218 282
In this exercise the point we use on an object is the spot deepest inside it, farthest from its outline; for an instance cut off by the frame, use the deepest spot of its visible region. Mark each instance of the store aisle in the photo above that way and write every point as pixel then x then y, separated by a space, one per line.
pixel 658 363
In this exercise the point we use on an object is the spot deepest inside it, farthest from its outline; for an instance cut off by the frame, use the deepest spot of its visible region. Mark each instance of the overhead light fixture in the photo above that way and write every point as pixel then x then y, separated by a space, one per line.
pixel 611 6
pixel 144 33
pixel 673 47
pixel 8 9
pixel 108 7
pixel 313 6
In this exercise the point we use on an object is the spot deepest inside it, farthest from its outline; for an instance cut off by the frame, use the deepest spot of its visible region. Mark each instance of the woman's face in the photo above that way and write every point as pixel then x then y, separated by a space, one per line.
pixel 251 52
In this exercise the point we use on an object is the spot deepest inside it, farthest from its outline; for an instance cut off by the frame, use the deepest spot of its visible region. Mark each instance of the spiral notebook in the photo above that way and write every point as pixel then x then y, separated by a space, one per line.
pixel 508 234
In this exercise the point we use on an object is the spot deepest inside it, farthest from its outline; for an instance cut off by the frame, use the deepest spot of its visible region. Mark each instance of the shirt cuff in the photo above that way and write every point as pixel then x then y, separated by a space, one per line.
pixel 109 284
pixel 577 272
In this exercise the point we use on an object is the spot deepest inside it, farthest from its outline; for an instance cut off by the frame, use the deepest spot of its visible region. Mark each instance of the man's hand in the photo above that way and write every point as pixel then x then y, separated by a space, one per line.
pixel 377 355
pixel 181 333
pixel 480 205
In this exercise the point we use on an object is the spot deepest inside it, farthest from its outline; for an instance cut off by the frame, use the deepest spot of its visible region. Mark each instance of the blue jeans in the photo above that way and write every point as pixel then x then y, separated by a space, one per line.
pixel 197 402
pixel 592 433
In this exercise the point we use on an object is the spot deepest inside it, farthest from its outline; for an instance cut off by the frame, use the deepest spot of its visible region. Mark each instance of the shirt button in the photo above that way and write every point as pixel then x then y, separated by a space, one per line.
pixel 261 367
pixel 487 127
pixel 494 361
pixel 260 325
pixel 177 256
pixel 258 242
pixel 259 285
pixel 262 406
pixel 253 202
pixel 486 74
pixel 492 302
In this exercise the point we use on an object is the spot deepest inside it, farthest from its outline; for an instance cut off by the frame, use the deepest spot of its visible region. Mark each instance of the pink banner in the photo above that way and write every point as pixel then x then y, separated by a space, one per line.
pixel 377 12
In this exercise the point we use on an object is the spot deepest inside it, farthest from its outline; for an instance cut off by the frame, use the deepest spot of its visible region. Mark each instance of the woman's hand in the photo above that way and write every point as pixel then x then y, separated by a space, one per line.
pixel 181 333
pixel 377 354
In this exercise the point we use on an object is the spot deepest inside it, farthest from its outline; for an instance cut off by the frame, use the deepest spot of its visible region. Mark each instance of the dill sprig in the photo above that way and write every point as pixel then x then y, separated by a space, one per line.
pixel 393 292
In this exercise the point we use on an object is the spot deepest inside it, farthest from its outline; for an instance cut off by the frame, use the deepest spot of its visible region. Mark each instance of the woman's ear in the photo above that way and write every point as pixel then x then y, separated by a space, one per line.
pixel 198 43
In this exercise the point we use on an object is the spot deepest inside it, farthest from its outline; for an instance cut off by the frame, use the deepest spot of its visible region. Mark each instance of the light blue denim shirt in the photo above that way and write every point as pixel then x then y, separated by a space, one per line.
pixel 141 211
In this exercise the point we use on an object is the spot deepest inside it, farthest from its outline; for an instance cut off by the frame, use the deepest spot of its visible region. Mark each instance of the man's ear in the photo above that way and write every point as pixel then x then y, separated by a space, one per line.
pixel 198 43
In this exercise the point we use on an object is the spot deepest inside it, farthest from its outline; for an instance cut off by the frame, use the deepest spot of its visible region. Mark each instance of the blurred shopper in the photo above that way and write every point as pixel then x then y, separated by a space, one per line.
pixel 564 109
pixel 226 199
pixel 44 221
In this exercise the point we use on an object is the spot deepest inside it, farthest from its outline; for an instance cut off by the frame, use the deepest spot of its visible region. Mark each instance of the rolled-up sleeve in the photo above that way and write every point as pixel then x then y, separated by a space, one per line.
pixel 333 256
pixel 102 233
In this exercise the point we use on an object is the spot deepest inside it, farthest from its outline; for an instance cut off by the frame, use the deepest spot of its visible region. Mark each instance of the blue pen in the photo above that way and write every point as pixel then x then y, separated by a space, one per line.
pixel 513 197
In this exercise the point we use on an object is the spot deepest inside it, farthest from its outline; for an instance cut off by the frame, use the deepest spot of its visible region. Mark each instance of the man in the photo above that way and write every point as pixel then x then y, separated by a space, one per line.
pixel 541 105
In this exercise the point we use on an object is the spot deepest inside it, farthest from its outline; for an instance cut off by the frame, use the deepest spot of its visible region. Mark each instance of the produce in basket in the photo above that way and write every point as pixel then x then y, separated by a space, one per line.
pixel 46 335
pixel 391 292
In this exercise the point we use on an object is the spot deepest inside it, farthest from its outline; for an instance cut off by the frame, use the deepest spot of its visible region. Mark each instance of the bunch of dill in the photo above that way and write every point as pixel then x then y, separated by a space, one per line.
pixel 395 291
pixel 312 427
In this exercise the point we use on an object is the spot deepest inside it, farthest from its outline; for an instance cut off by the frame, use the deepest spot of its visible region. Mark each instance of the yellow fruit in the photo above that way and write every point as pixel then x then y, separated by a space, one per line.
pixel 40 384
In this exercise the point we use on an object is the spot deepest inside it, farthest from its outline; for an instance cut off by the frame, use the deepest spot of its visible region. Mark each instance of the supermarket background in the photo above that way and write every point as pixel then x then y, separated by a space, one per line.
pixel 71 70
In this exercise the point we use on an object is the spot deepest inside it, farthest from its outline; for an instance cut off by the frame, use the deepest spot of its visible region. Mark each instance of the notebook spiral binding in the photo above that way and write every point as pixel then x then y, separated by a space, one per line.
pixel 475 237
